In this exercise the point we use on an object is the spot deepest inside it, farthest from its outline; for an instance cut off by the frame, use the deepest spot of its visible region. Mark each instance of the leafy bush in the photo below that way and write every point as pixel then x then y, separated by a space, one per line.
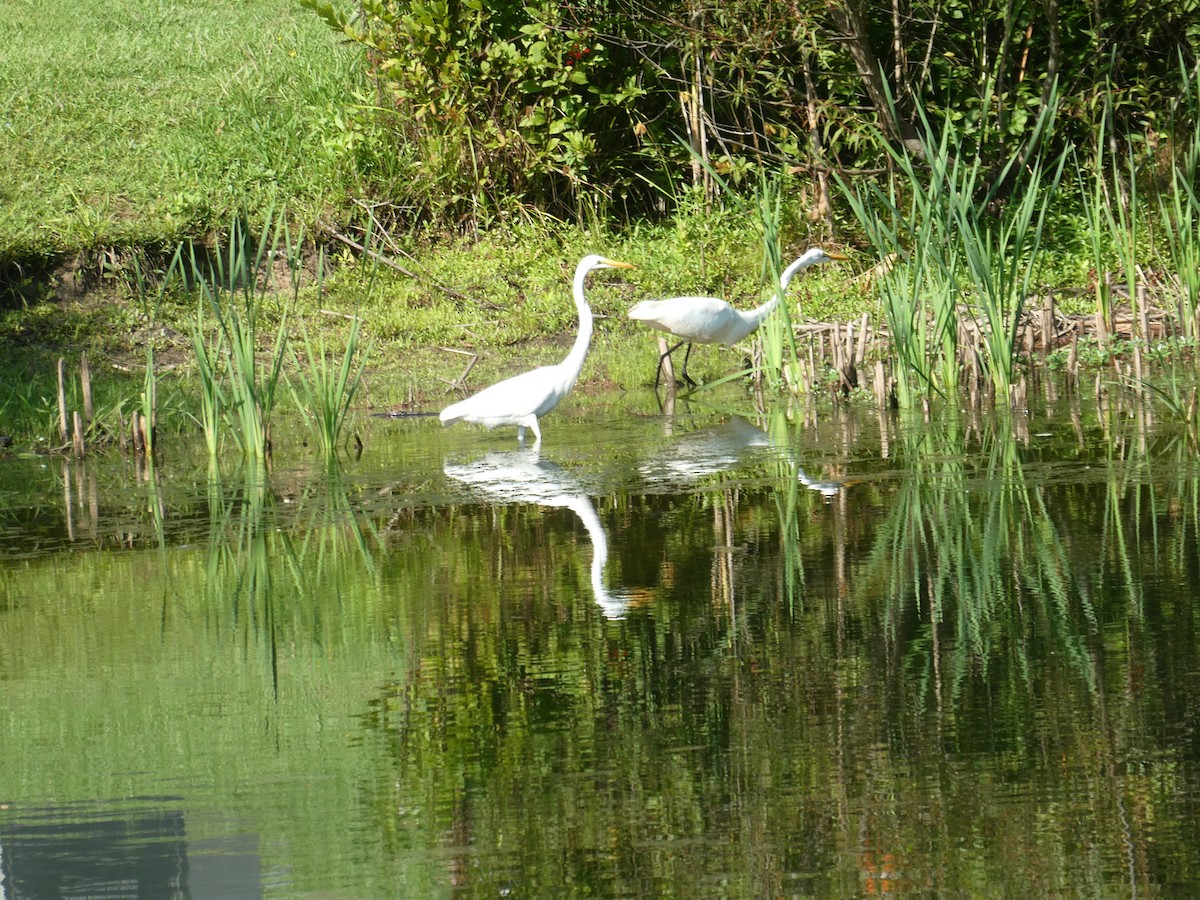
pixel 497 105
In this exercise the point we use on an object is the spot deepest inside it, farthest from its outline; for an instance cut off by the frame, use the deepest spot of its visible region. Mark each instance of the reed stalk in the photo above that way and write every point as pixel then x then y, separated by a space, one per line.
pixel 324 388
pixel 778 333
pixel 1180 212
pixel 1122 215
pixel 1092 196
pixel 235 290
pixel 209 350
pixel 151 301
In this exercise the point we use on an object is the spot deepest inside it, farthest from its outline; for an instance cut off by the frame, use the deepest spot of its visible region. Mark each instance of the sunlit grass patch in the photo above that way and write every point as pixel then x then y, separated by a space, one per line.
pixel 136 121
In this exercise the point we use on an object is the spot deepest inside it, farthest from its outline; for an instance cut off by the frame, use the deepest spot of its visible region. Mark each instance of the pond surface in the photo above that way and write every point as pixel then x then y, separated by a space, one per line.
pixel 826 654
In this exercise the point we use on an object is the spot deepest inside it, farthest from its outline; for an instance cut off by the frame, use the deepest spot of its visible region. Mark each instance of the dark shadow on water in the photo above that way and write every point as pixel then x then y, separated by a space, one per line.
pixel 128 849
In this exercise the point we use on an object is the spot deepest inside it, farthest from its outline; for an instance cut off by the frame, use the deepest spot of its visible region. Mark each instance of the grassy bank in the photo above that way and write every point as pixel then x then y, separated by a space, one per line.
pixel 134 126
pixel 136 122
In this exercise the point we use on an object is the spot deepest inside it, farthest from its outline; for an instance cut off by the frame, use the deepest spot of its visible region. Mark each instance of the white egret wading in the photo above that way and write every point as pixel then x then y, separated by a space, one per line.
pixel 708 320
pixel 520 400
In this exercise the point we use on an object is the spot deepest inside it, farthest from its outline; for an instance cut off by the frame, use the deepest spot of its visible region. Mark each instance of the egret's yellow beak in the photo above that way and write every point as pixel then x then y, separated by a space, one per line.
pixel 617 264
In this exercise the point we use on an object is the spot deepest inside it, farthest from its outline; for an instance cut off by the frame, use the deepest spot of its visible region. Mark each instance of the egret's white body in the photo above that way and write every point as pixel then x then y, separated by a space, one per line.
pixel 522 399
pixel 708 320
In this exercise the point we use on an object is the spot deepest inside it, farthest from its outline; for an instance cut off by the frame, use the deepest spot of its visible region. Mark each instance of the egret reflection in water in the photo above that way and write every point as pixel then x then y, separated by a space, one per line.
pixel 826 488
pixel 706 451
pixel 520 476
pixel 718 448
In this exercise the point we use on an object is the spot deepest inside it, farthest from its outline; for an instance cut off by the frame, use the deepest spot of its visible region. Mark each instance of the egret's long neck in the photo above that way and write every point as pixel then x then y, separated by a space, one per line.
pixel 574 361
pixel 755 316
pixel 786 278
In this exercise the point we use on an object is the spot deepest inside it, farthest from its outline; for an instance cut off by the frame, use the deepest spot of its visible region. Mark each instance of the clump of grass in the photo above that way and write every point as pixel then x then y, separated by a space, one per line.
pixel 324 387
pixel 947 229
pixel 235 289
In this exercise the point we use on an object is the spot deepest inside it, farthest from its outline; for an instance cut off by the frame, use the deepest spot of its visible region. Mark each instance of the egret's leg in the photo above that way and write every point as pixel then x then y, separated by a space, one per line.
pixel 658 371
pixel 531 423
pixel 683 372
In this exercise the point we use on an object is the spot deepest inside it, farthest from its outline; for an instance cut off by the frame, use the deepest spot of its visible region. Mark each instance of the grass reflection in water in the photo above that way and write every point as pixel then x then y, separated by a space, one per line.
pixel 962 667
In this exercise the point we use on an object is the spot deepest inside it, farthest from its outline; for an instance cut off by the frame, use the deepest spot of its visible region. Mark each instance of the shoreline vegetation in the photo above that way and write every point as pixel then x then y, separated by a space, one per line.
pixel 225 208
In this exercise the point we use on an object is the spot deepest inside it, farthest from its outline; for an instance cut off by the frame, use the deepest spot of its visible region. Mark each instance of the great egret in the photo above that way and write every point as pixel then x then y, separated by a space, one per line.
pixel 521 399
pixel 707 320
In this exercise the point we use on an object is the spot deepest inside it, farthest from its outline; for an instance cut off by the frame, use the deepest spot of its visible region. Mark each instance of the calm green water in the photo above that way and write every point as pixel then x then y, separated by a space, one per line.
pixel 789 655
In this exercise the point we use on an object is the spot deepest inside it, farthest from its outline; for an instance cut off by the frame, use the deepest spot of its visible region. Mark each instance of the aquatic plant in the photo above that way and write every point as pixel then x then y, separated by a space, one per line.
pixel 945 225
pixel 1180 212
pixel 235 287
pixel 324 387
pixel 1121 207
pixel 208 349
pixel 1090 184
pixel 146 420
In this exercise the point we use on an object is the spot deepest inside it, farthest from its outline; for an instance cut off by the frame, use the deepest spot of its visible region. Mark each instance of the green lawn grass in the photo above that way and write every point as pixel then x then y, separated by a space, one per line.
pixel 137 122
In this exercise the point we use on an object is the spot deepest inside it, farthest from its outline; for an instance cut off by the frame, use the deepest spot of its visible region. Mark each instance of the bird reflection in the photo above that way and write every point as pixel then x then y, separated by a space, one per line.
pixel 705 451
pixel 522 477
pixel 827 489
pixel 719 448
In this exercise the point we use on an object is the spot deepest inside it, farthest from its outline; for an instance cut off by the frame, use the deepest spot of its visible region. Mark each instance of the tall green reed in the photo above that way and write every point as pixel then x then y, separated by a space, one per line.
pixel 918 286
pixel 1090 181
pixel 1123 217
pixel 1001 258
pixel 208 346
pixel 235 286
pixel 151 301
pixel 944 226
pixel 778 334
pixel 1180 211
pixel 324 386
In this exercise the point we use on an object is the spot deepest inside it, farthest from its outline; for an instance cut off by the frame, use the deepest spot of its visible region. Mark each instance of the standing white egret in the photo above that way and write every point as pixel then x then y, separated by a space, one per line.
pixel 708 320
pixel 521 399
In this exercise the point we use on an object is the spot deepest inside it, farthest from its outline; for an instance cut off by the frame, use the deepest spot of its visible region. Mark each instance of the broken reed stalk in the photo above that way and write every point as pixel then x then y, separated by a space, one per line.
pixel 85 385
pixel 1073 361
pixel 1143 314
pixel 62 404
pixel 77 435
pixel 135 432
pixel 1048 324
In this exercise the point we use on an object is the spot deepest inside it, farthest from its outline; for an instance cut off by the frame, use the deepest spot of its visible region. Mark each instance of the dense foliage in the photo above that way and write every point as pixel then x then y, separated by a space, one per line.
pixel 591 106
